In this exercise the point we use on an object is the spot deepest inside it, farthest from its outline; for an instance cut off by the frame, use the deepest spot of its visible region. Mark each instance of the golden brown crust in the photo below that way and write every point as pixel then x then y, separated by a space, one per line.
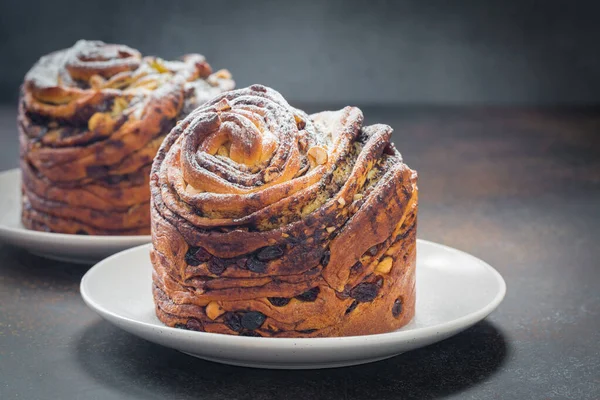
pixel 270 222
pixel 91 118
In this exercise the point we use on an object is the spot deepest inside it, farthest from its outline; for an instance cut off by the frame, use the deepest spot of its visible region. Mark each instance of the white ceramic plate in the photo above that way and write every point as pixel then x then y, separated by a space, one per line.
pixel 454 291
pixel 58 246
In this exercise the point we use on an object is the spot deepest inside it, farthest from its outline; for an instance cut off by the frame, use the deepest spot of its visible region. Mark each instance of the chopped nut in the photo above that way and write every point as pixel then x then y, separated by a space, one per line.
pixel 385 265
pixel 223 151
pixel 302 142
pixel 330 229
pixel 119 105
pixel 158 64
pixel 285 235
pixel 96 82
pixel 358 196
pixel 319 154
pixel 371 174
pixel 189 189
pixel 52 136
pixel 101 123
pixel 222 74
pixel 341 201
pixel 214 310
pixel 120 81
pixel 223 105
pixel 150 85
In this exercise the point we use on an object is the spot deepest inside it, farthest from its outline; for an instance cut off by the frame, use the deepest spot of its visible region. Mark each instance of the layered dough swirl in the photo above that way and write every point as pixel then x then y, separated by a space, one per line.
pixel 91 119
pixel 269 222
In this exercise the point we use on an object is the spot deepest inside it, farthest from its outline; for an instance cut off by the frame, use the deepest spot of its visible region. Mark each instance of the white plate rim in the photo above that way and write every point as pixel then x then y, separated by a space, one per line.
pixel 324 343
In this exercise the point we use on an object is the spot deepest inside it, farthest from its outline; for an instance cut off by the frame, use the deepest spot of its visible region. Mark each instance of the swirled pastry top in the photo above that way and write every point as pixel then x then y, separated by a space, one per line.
pixel 247 171
pixel 91 119
pixel 74 82
pixel 85 109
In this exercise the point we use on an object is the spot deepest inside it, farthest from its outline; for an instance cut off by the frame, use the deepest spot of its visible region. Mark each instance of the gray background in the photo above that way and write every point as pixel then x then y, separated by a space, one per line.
pixel 424 52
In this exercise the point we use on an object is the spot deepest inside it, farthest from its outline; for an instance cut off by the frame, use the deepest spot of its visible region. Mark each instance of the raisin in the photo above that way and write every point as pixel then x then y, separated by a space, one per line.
pixel 390 150
pixel 67 131
pixel 166 125
pixel 137 179
pixel 300 123
pixel 250 333
pixel 190 260
pixel 253 320
pixel 96 171
pixel 105 105
pixel 343 295
pixel 269 253
pixel 194 325
pixel 201 254
pixel 397 308
pixel 114 179
pixel 179 325
pixel 351 307
pixel 239 262
pixel 232 321
pixel 279 301
pixel 372 251
pixel 309 295
pixel 325 258
pixel 364 292
pixel 403 235
pixel 356 268
pixel 42 132
pixel 115 143
pixel 196 255
pixel 255 265
pixel 217 266
pixel 258 88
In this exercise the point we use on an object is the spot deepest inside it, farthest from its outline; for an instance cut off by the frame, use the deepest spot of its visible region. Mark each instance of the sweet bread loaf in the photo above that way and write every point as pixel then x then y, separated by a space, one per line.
pixel 269 222
pixel 91 119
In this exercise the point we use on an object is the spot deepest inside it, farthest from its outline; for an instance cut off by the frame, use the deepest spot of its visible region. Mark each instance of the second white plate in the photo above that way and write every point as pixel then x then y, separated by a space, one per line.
pixel 454 291
pixel 73 248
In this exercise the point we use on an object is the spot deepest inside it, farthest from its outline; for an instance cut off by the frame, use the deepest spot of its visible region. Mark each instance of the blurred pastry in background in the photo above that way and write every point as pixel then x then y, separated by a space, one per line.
pixel 91 119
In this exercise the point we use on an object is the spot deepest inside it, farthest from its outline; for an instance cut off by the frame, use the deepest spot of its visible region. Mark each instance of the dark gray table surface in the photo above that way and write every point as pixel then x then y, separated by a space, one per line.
pixel 519 188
